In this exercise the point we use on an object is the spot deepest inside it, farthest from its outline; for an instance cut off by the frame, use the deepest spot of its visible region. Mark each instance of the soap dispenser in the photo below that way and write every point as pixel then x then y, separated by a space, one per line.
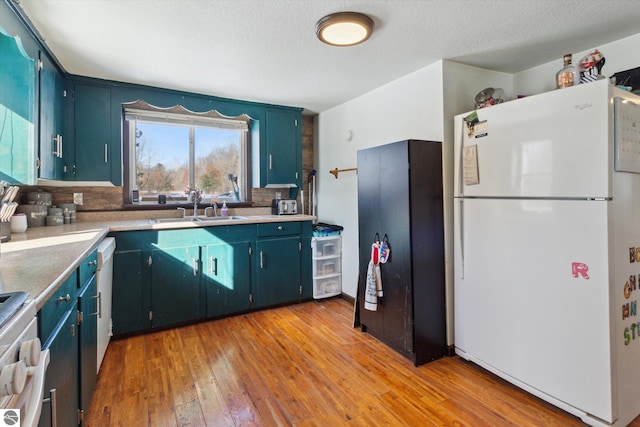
pixel 224 211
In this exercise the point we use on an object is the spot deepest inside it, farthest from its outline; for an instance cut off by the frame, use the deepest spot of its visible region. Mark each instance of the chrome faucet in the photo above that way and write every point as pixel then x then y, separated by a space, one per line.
pixel 214 207
pixel 184 212
pixel 195 196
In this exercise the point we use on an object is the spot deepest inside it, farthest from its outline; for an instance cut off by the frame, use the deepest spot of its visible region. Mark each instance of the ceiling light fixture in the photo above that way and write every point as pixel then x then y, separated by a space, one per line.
pixel 344 28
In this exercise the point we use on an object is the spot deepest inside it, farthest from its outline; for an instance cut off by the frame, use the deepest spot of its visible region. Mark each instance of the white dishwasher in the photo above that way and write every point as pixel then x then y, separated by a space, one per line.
pixel 104 277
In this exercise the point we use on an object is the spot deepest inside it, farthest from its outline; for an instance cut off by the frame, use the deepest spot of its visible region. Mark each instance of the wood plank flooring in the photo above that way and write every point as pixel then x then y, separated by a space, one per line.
pixel 302 365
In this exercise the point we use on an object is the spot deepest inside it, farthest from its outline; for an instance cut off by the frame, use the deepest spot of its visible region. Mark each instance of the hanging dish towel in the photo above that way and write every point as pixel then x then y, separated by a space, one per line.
pixel 373 288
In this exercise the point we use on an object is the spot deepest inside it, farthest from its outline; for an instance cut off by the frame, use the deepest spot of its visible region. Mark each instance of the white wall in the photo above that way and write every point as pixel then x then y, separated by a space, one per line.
pixel 619 56
pixel 461 83
pixel 410 107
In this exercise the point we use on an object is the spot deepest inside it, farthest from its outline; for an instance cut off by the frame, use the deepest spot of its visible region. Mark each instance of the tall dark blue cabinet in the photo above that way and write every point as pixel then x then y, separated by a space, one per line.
pixel 400 196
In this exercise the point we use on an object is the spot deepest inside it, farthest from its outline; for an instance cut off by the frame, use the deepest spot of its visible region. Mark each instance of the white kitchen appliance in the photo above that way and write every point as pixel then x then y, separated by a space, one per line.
pixel 547 247
pixel 23 365
pixel 104 272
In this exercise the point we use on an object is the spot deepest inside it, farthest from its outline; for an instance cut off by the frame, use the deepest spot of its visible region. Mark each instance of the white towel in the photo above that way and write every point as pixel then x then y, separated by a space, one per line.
pixel 373 288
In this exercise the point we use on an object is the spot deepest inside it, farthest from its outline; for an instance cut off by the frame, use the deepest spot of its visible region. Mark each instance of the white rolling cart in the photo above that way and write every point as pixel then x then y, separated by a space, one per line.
pixel 327 266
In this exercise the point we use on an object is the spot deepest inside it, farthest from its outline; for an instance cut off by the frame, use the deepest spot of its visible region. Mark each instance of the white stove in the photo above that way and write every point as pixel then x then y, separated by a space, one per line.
pixel 22 364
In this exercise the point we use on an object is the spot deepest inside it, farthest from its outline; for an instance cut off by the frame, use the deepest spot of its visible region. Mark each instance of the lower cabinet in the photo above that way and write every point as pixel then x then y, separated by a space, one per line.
pixel 167 277
pixel 226 277
pixel 175 285
pixel 62 373
pixel 129 293
pixel 88 341
pixel 278 273
pixel 67 325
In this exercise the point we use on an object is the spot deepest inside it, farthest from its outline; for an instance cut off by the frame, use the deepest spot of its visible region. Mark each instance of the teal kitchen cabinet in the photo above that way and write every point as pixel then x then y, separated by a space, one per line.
pixel 62 373
pixel 167 277
pixel 282 264
pixel 58 331
pixel 92 124
pixel 129 310
pixel 226 277
pixel 67 325
pixel 175 285
pixel 277 272
pixel 17 97
pixel 88 342
pixel 53 154
pixel 283 160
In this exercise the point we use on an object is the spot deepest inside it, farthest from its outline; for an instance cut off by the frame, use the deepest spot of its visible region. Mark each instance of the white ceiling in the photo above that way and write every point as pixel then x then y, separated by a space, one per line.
pixel 267 51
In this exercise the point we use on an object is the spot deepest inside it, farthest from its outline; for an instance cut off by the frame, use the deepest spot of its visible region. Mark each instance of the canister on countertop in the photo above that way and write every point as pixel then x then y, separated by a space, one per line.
pixel 54 211
pixel 39 198
pixel 36 214
pixel 67 210
pixel 55 220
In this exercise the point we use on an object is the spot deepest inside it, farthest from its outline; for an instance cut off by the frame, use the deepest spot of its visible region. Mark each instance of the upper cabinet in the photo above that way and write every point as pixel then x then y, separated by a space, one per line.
pixel 92 124
pixel 17 112
pixel 54 155
pixel 281 165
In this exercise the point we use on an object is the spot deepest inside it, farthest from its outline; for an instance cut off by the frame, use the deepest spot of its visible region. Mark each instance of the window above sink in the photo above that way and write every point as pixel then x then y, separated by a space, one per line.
pixel 171 151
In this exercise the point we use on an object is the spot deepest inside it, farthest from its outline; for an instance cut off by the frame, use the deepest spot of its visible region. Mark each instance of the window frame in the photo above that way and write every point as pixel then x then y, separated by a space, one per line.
pixel 183 117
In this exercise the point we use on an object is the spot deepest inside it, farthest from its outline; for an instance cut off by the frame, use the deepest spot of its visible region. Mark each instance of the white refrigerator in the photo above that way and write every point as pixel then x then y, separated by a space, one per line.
pixel 547 247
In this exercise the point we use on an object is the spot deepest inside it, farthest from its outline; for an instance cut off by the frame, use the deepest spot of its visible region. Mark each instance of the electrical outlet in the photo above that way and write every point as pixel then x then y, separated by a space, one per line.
pixel 78 199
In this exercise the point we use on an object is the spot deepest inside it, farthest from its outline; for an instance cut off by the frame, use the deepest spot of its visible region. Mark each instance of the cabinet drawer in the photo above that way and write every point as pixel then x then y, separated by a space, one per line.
pixel 53 310
pixel 88 267
pixel 278 229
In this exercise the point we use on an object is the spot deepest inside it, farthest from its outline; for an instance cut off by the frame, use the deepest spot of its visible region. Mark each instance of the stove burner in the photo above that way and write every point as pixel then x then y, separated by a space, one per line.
pixel 9 304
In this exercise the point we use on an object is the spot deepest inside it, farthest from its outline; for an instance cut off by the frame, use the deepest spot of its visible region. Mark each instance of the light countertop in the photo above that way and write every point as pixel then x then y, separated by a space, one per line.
pixel 41 259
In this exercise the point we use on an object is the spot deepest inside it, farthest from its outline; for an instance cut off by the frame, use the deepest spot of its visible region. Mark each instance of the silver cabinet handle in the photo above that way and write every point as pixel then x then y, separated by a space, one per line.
pixel 270 161
pixel 280 228
pixel 195 266
pixel 94 262
pixel 66 298
pixel 99 298
pixel 52 399
pixel 261 260
pixel 58 140
pixel 106 158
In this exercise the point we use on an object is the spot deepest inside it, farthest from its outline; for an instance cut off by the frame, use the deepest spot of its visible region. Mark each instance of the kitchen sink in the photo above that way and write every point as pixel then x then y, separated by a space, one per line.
pixel 196 219
pixel 220 218
pixel 164 220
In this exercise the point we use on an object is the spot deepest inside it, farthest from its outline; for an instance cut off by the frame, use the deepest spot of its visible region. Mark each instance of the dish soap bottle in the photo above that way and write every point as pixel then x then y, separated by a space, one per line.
pixel 224 211
pixel 568 75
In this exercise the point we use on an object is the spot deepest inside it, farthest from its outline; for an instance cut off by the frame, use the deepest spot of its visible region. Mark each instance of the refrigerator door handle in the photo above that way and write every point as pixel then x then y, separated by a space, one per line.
pixel 460 233
pixel 461 161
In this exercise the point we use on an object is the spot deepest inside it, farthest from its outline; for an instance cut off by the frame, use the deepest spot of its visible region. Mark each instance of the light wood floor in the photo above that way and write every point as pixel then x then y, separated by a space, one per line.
pixel 301 365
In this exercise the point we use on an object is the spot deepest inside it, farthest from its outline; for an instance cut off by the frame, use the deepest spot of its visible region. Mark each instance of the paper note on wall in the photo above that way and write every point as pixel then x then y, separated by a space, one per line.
pixel 470 165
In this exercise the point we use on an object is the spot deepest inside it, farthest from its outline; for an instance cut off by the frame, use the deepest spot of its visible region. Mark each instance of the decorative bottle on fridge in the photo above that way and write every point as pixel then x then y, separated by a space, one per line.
pixel 568 75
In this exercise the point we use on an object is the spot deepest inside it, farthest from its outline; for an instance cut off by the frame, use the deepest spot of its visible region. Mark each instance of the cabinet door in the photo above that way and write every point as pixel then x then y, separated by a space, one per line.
pixel 92 133
pixel 51 146
pixel 383 208
pixel 130 309
pixel 62 373
pixel 17 96
pixel 226 277
pixel 175 285
pixel 88 341
pixel 277 271
pixel 284 151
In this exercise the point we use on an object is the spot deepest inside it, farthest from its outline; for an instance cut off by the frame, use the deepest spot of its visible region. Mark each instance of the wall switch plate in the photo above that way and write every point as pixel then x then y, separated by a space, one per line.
pixel 78 199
